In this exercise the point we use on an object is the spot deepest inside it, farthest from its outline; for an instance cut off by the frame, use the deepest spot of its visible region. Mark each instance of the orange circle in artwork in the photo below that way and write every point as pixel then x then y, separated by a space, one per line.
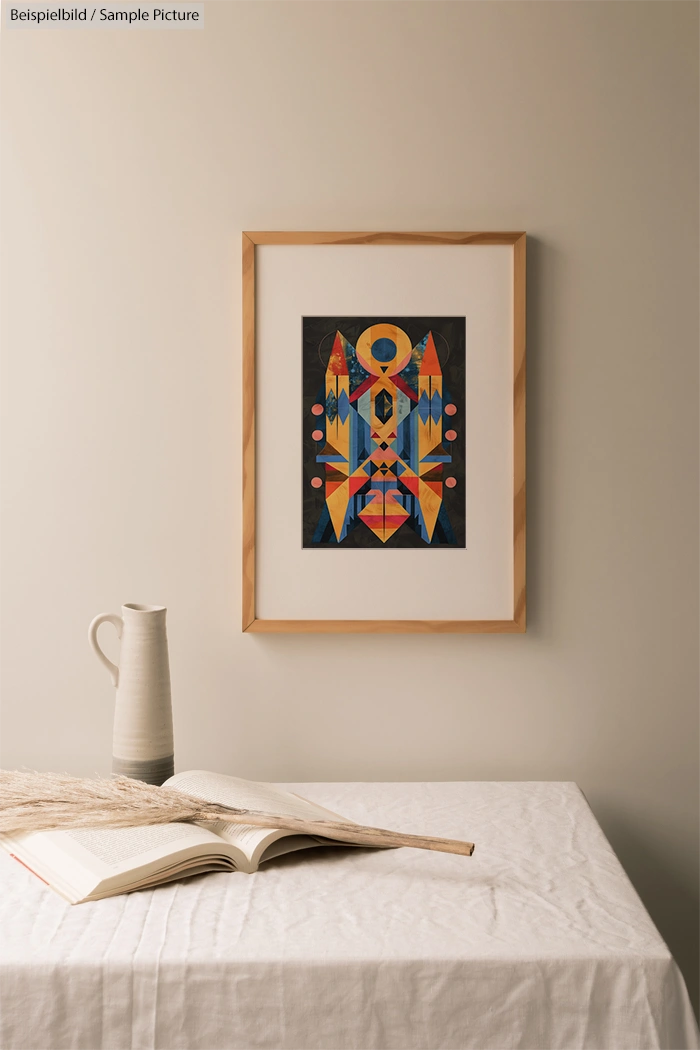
pixel 451 482
pixel 317 410
pixel 317 435
pixel 450 435
pixel 317 482
pixel 451 410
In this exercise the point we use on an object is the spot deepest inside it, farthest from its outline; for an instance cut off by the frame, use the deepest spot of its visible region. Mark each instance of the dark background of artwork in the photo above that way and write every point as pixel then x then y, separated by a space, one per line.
pixel 317 340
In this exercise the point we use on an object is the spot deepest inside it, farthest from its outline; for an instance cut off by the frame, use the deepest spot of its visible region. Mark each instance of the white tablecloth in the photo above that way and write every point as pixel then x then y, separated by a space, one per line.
pixel 537 941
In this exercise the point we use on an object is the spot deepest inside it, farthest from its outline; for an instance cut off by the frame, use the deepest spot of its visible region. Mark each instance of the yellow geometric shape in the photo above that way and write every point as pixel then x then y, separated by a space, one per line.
pixel 429 436
pixel 430 507
pixel 337 503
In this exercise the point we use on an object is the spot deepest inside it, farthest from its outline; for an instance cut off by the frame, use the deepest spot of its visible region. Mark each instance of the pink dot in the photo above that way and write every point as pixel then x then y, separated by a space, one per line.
pixel 317 435
pixel 451 482
pixel 450 435
pixel 317 410
pixel 451 410
pixel 316 482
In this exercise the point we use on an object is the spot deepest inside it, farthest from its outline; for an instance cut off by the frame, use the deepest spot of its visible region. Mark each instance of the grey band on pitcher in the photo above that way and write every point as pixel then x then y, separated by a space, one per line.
pixel 154 771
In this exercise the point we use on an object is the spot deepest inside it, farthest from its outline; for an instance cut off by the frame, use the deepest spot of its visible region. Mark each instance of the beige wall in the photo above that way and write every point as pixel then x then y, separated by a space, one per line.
pixel 132 160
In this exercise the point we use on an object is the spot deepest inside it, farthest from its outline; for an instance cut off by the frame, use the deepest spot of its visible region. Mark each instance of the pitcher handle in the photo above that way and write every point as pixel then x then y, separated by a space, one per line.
pixel 92 638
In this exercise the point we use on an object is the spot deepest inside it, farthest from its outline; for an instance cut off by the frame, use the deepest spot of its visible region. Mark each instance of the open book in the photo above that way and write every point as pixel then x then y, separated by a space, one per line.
pixel 86 864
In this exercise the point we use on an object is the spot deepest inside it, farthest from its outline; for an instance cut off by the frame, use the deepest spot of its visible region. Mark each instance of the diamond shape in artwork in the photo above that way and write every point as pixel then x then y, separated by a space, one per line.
pixel 383 406
pixel 331 406
pixel 423 407
pixel 343 406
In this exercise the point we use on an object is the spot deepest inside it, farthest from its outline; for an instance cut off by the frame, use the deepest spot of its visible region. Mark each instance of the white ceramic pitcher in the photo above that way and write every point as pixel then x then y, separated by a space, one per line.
pixel 143 720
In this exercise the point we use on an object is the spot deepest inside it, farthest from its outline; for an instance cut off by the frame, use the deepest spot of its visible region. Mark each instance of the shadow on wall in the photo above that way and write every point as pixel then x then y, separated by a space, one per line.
pixel 673 904
pixel 545 267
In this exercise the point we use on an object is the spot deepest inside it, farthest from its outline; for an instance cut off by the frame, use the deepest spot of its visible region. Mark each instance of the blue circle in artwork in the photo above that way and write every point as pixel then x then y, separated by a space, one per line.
pixel 384 349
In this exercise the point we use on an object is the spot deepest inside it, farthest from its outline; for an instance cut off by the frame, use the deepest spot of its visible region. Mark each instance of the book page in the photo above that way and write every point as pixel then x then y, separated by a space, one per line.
pixel 249 794
pixel 76 861
pixel 119 848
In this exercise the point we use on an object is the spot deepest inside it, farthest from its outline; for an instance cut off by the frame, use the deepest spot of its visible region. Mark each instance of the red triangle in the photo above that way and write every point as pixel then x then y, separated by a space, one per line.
pixel 411 484
pixel 337 365
pixel 436 486
pixel 430 366
pixel 355 484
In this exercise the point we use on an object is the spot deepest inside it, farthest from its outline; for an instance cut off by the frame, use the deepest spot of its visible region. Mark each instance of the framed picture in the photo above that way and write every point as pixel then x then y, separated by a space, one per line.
pixel 384 432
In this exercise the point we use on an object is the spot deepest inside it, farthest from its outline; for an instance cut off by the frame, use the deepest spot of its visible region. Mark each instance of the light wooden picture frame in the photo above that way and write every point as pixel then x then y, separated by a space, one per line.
pixel 513 618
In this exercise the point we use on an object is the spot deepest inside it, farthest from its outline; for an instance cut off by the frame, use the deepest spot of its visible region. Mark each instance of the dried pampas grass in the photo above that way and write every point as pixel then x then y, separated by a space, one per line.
pixel 32 801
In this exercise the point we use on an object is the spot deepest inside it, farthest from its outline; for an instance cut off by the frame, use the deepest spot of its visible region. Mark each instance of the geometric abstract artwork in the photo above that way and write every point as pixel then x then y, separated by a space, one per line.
pixel 383 432
pixel 376 444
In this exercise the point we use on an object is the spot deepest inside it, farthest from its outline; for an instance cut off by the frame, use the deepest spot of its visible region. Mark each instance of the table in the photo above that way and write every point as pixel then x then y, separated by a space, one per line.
pixel 537 941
